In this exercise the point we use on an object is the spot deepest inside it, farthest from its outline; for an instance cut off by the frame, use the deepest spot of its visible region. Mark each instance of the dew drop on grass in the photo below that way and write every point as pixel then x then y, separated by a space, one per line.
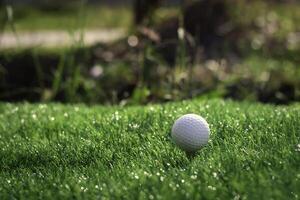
pixel 15 110
pixel 297 148
pixel 67 186
pixel 237 197
pixel 194 177
pixel 215 175
pixel 42 106
pixel 151 108
pixel 83 189
pixel 135 126
pixel 162 170
pixel 295 195
pixel 116 116
pixel 211 187
pixel 33 116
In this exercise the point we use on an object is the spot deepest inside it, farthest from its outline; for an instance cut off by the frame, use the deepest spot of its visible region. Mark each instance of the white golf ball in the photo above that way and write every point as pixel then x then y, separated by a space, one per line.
pixel 190 132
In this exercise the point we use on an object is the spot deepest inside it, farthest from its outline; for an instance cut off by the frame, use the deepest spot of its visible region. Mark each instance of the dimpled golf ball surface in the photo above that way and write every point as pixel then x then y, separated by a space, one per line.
pixel 190 132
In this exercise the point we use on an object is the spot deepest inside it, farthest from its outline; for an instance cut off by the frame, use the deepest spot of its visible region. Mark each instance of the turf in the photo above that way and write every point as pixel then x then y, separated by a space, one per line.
pixel 74 151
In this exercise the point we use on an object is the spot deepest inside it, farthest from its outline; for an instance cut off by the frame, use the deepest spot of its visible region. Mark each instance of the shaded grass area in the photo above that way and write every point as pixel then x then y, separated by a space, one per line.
pixel 74 151
pixel 259 63
pixel 68 76
pixel 261 13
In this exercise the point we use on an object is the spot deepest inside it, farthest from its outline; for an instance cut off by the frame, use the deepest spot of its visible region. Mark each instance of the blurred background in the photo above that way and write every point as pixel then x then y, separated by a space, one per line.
pixel 147 51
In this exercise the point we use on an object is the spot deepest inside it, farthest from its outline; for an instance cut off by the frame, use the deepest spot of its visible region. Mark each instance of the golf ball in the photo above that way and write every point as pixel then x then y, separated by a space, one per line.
pixel 190 132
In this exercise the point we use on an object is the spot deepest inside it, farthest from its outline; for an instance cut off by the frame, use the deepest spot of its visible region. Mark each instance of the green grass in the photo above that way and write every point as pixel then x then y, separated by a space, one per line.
pixel 53 151
pixel 32 19
pixel 89 16
pixel 28 18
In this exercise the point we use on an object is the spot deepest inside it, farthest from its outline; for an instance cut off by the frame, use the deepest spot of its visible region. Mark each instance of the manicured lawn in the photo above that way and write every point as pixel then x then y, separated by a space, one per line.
pixel 74 151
